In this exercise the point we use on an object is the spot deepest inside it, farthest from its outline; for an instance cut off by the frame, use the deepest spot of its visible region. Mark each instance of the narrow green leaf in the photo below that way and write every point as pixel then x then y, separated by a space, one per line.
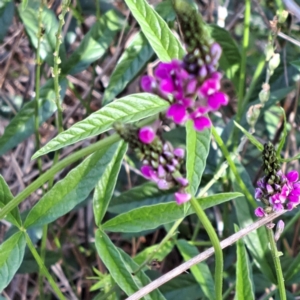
pixel 140 278
pixel 197 148
pixel 71 190
pixel 150 217
pixel 22 125
pixel 200 271
pixel 12 252
pixel 250 137
pixel 106 185
pixel 94 44
pixel 142 195
pixel 128 109
pixel 255 240
pixel 244 284
pixel 114 263
pixel 293 269
pixel 29 18
pixel 6 16
pixel 132 61
pixel 283 138
pixel 5 197
pixel 160 37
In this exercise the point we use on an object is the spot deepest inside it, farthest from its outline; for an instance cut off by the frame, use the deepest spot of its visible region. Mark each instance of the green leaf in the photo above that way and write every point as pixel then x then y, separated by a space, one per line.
pixel 197 148
pixel 106 185
pixel 22 125
pixel 296 157
pixel 128 109
pixel 6 16
pixel 255 240
pixel 29 18
pixel 283 138
pixel 71 190
pixel 160 37
pixel 244 284
pixel 200 271
pixel 150 217
pixel 142 195
pixel 5 197
pixel 12 252
pixel 140 278
pixel 250 137
pixel 94 44
pixel 132 61
pixel 231 56
pixel 114 263
pixel 293 269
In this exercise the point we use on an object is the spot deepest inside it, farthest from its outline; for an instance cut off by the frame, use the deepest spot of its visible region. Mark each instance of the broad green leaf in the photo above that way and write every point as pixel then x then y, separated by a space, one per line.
pixel 197 148
pixel 159 255
pixel 150 217
pixel 142 195
pixel 71 190
pixel 132 61
pixel 114 263
pixel 231 57
pixel 128 109
pixel 12 252
pixel 106 185
pixel 6 16
pixel 255 240
pixel 140 278
pixel 200 271
pixel 22 125
pixel 5 197
pixel 29 18
pixel 94 44
pixel 244 285
pixel 160 37
pixel 250 137
pixel 283 138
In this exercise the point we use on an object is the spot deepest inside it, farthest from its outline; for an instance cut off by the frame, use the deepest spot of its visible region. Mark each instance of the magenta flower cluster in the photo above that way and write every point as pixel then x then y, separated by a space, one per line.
pixel 285 195
pixel 192 90
pixel 164 169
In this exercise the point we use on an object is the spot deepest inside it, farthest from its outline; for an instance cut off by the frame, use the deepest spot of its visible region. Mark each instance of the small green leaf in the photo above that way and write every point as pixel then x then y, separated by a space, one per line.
pixel 128 109
pixel 250 137
pixel 22 125
pixel 94 44
pixel 200 271
pixel 150 217
pixel 132 61
pixel 283 138
pixel 106 185
pixel 29 17
pixel 6 16
pixel 142 195
pixel 71 190
pixel 5 197
pixel 12 252
pixel 114 263
pixel 197 148
pixel 296 157
pixel 244 284
pixel 160 37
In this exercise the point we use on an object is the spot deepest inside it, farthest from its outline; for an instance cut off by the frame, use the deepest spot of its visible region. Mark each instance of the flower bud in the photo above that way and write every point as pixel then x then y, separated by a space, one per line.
pixel 274 62
pixel 282 16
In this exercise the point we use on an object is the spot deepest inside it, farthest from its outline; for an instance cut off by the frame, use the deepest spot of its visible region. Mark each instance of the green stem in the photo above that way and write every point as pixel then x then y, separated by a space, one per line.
pixel 242 79
pixel 43 268
pixel 280 279
pixel 232 166
pixel 215 243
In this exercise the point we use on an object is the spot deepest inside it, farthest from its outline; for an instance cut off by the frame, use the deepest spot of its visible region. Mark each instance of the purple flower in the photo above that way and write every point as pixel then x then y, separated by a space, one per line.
pixel 201 123
pixel 216 100
pixel 146 135
pixel 259 212
pixel 179 152
pixel 178 113
pixel 292 176
pixel 182 197
pixel 148 83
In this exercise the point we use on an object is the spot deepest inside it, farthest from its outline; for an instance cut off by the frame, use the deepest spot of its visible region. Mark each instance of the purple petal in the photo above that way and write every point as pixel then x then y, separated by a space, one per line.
pixel 146 135
pixel 177 112
pixel 148 84
pixel 203 72
pixel 191 86
pixel 201 123
pixel 269 188
pixel 215 51
pixel 182 197
pixel 162 184
pixel 258 193
pixel 292 176
pixel 182 181
pixel 161 171
pixel 217 99
pixel 259 212
pixel 149 173
pixel 290 206
pixel 278 207
pixel 167 86
pixel 209 87
pixel 179 152
pixel 280 225
pixel 294 198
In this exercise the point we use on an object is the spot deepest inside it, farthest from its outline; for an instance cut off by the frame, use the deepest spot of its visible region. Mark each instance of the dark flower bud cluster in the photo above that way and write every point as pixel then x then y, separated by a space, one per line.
pixel 276 190
pixel 160 162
